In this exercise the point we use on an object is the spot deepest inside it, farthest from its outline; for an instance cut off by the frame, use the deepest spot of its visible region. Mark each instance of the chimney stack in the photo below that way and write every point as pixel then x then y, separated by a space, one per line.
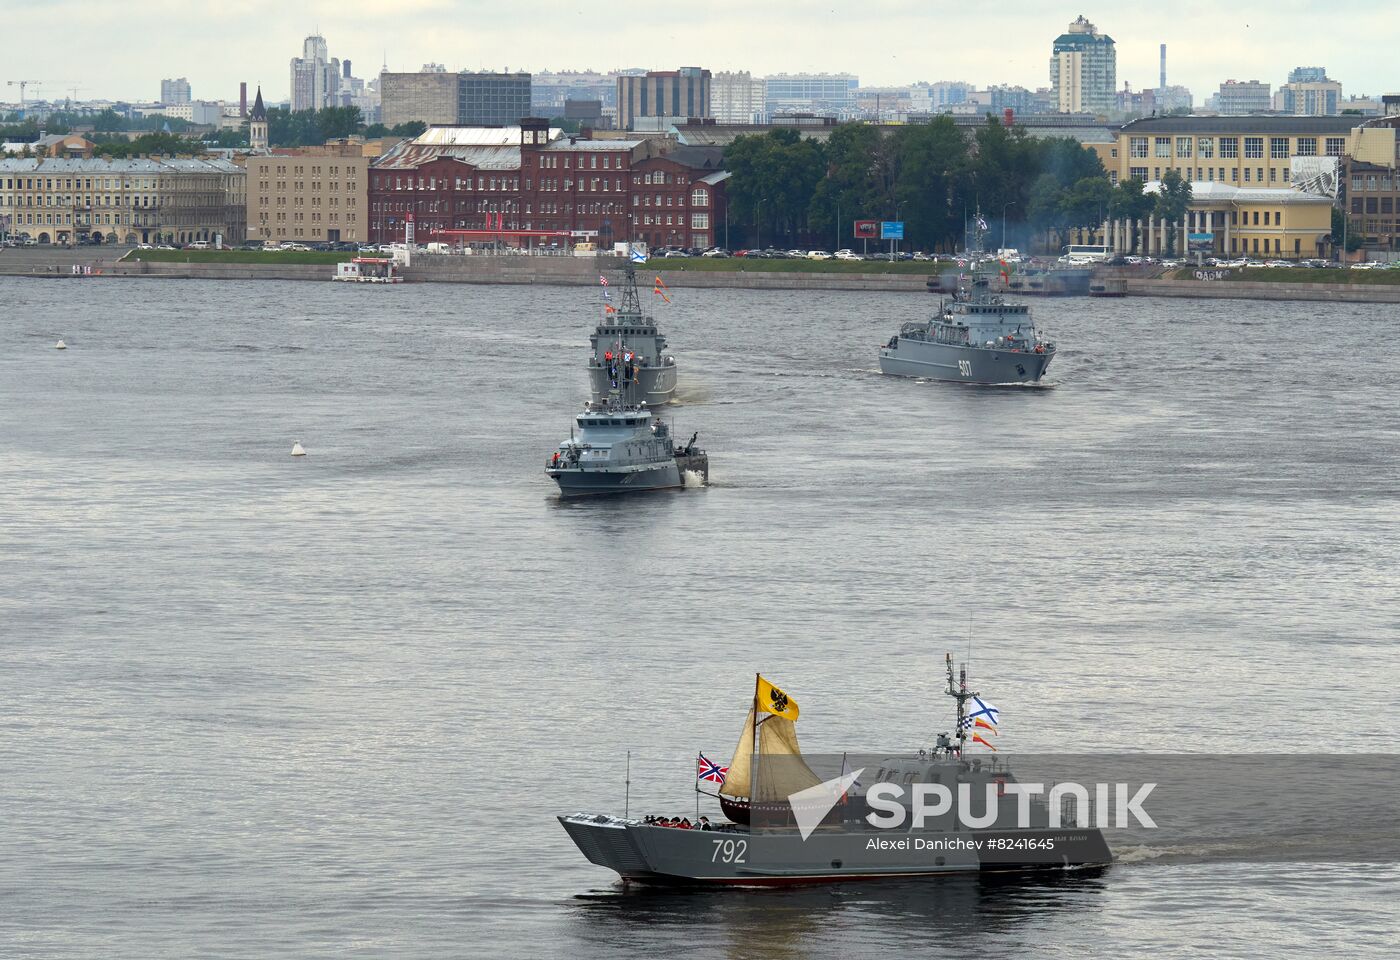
pixel 1163 85
pixel 243 98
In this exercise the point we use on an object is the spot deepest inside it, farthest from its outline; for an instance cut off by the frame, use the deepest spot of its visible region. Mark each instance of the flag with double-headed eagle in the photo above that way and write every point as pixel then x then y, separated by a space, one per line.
pixel 710 771
pixel 775 701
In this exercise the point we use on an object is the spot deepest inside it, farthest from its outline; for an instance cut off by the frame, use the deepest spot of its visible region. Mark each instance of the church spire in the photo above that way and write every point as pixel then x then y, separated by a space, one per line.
pixel 257 125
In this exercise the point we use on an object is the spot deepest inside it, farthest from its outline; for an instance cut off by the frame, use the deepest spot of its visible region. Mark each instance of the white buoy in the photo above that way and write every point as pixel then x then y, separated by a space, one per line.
pixel 60 345
pixel 297 450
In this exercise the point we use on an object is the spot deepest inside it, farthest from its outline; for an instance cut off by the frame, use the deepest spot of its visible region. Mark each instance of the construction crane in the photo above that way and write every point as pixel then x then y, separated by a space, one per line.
pixel 22 84
pixel 72 89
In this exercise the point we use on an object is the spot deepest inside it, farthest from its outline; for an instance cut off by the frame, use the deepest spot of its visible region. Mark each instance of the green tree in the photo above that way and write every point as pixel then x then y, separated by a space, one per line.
pixel 1173 200
pixel 1342 235
pixel 930 171
pixel 849 190
pixel 337 123
pixel 108 121
pixel 774 177
pixel 159 144
pixel 227 137
pixel 1130 203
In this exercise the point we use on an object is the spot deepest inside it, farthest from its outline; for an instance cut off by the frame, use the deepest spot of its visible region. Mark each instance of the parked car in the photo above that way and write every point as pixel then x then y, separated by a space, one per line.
pixel 716 253
pixel 818 255
pixel 847 255
pixel 669 254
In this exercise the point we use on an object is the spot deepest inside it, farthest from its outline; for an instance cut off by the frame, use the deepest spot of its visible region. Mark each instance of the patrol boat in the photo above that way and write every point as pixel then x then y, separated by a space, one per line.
pixel 977 337
pixel 618 447
pixel 626 348
pixel 789 826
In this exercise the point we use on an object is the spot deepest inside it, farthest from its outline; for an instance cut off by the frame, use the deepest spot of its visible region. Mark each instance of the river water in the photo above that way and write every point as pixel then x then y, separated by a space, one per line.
pixel 253 705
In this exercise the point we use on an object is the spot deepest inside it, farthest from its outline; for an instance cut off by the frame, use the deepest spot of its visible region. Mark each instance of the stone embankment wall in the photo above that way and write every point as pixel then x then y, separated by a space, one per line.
pixel 583 271
pixel 1247 290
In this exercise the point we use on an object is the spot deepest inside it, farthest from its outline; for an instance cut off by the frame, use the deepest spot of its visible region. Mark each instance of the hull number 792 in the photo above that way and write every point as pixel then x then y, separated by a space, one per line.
pixel 729 851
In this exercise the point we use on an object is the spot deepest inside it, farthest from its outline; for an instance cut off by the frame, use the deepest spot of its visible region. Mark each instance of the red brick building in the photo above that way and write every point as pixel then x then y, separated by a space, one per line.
pixel 484 179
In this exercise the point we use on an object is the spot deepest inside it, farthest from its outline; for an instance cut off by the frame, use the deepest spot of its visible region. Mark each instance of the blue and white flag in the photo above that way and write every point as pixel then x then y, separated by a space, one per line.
pixel 979 709
pixel 639 256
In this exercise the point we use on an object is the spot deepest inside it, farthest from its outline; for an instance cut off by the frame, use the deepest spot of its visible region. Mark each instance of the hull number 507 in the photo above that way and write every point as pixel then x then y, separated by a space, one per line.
pixel 729 851
pixel 965 367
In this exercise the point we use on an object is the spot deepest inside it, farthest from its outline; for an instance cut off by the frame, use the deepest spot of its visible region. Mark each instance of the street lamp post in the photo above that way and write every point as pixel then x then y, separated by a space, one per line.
pixel 758 222
pixel 1004 207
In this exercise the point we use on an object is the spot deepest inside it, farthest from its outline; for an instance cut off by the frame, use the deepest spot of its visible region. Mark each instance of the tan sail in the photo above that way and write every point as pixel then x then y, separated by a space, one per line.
pixel 736 781
pixel 780 769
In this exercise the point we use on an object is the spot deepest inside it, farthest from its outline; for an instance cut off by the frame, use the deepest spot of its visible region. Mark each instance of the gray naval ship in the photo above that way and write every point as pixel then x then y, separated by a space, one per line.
pixel 621 447
pixel 790 827
pixel 626 348
pixel 977 337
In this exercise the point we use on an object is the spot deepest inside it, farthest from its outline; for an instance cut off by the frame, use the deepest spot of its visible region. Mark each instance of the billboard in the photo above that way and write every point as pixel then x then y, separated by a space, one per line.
pixel 1200 242
pixel 891 229
pixel 867 229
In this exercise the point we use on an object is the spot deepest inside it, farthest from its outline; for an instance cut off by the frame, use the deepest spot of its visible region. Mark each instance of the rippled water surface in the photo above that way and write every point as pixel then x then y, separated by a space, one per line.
pixel 253 705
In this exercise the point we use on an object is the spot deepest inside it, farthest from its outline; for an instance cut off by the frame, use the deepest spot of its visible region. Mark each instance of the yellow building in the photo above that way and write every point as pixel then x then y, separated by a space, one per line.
pixel 1248 152
pixel 311 194
pixel 1270 223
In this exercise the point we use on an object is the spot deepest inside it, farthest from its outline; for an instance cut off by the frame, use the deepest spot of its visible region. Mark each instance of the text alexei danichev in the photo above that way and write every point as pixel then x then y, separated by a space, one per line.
pixel 923 843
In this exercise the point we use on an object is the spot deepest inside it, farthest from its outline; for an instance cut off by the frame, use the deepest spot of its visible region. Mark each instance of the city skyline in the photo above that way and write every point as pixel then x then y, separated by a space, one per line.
pixel 891 43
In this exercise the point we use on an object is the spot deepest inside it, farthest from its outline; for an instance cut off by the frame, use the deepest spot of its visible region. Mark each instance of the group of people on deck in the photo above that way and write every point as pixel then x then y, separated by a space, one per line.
pixel 680 823
pixel 626 367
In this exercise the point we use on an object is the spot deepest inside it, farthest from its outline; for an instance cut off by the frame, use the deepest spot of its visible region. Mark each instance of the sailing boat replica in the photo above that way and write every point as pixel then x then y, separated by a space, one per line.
pixel 770 735
pixel 788 826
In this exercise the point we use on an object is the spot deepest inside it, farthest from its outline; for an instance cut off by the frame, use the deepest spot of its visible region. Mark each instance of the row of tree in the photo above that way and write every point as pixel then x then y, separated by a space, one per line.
pixel 787 190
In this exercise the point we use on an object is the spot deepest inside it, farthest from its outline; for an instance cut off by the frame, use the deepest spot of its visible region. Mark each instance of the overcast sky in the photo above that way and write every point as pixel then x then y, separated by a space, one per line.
pixel 122 50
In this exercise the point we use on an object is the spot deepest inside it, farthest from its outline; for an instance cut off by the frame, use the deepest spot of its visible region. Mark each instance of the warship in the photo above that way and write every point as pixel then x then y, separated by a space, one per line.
pixel 625 330
pixel 621 447
pixel 976 337
pixel 787 826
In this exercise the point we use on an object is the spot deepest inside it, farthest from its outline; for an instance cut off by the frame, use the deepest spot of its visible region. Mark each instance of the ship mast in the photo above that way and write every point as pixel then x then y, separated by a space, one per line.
pixel 961 694
pixel 631 301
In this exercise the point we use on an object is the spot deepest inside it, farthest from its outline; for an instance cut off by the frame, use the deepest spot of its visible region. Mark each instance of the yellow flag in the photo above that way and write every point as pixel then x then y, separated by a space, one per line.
pixel 774 701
